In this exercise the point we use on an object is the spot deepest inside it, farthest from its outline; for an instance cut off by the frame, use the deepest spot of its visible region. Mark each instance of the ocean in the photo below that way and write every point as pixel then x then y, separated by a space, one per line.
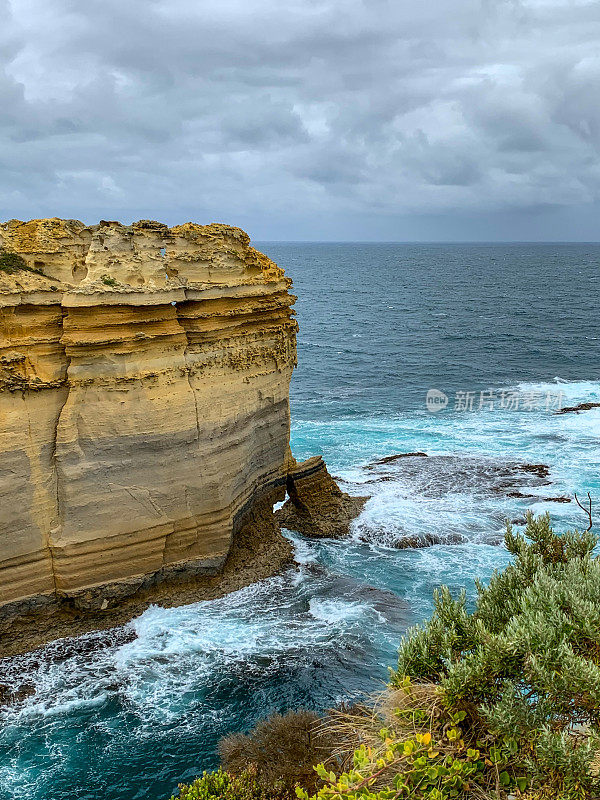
pixel 502 335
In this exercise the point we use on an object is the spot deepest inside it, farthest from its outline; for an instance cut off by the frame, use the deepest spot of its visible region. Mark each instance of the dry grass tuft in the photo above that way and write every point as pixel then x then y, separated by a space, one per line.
pixel 282 748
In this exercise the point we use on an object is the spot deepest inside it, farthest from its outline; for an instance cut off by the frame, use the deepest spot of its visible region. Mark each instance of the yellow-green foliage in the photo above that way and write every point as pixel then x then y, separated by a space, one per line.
pixel 421 769
pixel 502 701
pixel 222 785
pixel 428 752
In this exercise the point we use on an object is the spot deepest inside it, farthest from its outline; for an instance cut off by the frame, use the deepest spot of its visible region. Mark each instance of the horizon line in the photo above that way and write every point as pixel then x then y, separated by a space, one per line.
pixel 427 241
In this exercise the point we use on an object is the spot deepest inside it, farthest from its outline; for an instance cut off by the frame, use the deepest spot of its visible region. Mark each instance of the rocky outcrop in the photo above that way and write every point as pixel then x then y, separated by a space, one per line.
pixel 578 408
pixel 316 506
pixel 144 377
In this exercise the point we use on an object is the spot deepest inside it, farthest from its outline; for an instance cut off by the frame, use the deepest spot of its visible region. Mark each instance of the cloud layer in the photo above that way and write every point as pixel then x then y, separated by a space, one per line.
pixel 306 118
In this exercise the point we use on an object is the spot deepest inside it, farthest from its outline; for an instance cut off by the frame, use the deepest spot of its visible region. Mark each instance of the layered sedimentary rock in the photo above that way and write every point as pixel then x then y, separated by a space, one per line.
pixel 144 378
pixel 316 506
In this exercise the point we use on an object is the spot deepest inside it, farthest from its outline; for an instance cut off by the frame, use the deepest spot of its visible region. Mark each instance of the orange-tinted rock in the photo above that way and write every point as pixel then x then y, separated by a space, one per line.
pixel 144 379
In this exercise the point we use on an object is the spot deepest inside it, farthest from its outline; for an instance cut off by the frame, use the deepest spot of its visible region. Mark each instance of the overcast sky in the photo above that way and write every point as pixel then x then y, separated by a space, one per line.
pixel 312 119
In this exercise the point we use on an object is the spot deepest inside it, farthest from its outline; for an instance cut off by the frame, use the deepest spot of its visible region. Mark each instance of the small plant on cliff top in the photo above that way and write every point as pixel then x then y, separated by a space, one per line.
pixel 221 785
pixel 107 280
pixel 12 262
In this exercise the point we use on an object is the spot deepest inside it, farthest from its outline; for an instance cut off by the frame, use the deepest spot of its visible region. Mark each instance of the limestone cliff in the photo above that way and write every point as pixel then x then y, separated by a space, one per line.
pixel 144 377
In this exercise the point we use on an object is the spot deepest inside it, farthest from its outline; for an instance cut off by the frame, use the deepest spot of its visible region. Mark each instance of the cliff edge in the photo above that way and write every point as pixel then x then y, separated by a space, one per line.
pixel 144 379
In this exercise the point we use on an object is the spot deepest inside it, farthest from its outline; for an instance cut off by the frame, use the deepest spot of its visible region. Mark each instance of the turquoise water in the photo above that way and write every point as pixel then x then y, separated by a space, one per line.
pixel 130 713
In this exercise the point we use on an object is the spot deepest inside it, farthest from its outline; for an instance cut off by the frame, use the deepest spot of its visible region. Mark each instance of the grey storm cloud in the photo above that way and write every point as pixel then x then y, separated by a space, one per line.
pixel 292 117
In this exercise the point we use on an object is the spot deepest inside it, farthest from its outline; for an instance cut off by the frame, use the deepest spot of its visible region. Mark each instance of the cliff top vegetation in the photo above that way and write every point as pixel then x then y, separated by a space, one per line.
pixel 499 702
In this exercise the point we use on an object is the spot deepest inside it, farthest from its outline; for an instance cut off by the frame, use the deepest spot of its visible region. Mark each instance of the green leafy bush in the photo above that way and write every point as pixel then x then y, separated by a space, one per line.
pixel 501 701
pixel 528 658
pixel 221 785
pixel 108 280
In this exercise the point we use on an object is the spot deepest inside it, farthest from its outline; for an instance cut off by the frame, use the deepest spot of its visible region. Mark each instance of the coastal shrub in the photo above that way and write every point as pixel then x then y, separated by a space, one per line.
pixel 221 785
pixel 12 262
pixel 501 701
pixel 281 749
pixel 108 280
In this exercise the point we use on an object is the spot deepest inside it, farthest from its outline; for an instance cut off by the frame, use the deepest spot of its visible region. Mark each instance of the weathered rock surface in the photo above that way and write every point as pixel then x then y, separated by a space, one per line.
pixel 144 378
pixel 393 458
pixel 316 505
pixel 576 409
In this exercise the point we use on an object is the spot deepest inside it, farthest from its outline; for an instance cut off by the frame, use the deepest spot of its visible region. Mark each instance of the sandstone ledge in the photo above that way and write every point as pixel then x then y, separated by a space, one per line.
pixel 259 551
pixel 317 507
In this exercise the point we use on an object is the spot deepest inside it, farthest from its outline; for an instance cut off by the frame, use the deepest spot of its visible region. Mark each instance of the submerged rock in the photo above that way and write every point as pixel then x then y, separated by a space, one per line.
pixel 429 540
pixel 541 470
pixel 538 499
pixel 576 409
pixel 501 488
pixel 10 696
pixel 396 457
pixel 438 475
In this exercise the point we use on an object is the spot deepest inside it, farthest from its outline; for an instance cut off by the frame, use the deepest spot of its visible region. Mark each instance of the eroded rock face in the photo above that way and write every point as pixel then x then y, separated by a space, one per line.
pixel 316 505
pixel 144 377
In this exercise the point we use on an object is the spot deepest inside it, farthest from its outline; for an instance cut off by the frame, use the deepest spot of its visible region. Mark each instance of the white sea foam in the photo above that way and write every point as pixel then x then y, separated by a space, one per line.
pixel 304 550
pixel 183 670
pixel 335 611
pixel 177 651
pixel 579 391
pixel 404 507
